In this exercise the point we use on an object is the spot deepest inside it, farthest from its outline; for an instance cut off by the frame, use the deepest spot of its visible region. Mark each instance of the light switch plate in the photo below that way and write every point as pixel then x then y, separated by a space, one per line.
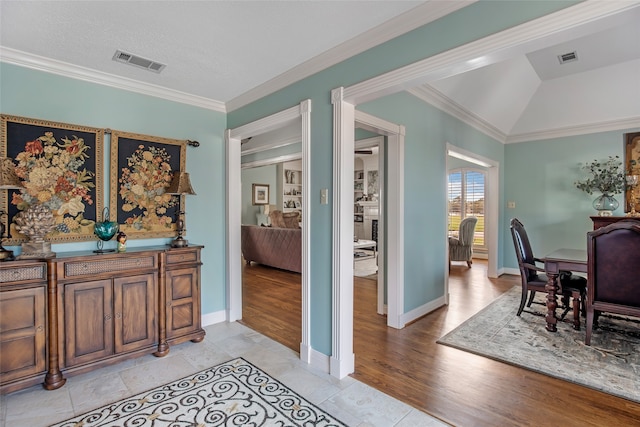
pixel 324 196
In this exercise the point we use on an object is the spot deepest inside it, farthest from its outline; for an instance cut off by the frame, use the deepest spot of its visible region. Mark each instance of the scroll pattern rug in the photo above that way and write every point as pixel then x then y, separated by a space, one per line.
pixel 611 364
pixel 235 393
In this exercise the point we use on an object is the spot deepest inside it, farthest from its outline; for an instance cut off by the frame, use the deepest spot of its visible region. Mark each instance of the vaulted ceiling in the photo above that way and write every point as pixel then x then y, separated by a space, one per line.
pixel 223 54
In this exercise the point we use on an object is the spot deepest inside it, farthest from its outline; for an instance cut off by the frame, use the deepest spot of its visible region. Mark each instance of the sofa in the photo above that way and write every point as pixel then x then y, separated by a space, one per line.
pixel 273 246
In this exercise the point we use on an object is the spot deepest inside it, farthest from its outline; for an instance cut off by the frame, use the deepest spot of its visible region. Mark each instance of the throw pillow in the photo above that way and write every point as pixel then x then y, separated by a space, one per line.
pixel 277 219
pixel 291 220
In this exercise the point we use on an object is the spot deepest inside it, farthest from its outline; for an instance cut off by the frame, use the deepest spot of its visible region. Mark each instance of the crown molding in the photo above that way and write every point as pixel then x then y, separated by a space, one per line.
pixel 40 63
pixel 401 24
pixel 582 129
pixel 446 104
pixel 485 51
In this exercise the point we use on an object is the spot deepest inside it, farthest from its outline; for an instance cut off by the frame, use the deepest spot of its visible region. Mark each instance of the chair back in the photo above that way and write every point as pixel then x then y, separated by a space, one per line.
pixel 523 249
pixel 614 267
pixel 467 230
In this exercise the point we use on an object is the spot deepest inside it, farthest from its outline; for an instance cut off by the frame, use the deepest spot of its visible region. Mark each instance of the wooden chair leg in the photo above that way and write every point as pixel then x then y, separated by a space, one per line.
pixel 469 262
pixel 531 297
pixel 576 311
pixel 523 299
pixel 587 339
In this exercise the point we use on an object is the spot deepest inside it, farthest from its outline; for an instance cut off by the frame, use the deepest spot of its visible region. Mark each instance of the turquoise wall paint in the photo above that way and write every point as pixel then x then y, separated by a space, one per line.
pixel 427 132
pixel 30 93
pixel 453 30
pixel 260 175
pixel 539 178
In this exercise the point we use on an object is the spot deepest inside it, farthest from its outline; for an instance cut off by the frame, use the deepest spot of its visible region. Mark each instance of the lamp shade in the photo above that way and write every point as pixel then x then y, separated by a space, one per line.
pixel 180 184
pixel 8 178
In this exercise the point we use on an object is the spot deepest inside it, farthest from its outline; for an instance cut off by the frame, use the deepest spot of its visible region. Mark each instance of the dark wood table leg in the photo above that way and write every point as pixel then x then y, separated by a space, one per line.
pixel 551 288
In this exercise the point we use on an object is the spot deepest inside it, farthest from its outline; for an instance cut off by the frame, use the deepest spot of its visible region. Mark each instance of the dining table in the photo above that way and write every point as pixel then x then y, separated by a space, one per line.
pixel 574 260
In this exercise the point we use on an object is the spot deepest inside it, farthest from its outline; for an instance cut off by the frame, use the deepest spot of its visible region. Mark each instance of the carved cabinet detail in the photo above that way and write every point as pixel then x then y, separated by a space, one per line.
pixel 23 322
pixel 183 296
pixel 80 311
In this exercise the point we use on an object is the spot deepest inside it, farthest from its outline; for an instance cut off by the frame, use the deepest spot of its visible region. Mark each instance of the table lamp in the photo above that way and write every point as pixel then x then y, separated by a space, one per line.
pixel 8 181
pixel 180 186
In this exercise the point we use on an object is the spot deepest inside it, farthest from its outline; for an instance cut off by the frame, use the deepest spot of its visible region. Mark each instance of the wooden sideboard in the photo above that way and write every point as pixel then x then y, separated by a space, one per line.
pixel 80 311
pixel 603 221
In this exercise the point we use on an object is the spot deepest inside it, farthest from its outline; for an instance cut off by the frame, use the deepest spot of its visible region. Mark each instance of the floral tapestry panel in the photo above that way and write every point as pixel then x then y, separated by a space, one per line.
pixel 60 167
pixel 142 167
pixel 632 162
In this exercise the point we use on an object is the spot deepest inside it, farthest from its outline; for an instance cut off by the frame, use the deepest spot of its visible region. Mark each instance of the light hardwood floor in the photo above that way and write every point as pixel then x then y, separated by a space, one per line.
pixel 458 387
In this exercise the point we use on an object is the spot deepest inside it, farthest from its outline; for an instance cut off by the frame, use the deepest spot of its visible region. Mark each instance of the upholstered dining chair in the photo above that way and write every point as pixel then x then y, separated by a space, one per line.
pixel 613 257
pixel 534 280
pixel 461 249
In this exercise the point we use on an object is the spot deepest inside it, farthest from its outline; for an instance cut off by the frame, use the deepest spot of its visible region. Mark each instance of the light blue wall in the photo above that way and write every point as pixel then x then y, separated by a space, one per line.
pixel 39 95
pixel 428 130
pixel 260 175
pixel 34 94
pixel 468 24
pixel 539 178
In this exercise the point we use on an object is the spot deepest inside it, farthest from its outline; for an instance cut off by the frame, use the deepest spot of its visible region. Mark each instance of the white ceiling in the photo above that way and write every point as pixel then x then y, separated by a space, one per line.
pixel 226 52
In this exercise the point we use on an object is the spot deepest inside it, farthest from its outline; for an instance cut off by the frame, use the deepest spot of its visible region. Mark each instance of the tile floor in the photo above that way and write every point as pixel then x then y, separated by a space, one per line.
pixel 351 401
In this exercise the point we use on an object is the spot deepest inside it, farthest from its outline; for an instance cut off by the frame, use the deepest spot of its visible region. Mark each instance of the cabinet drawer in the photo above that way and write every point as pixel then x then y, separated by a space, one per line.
pixel 117 264
pixel 182 256
pixel 25 273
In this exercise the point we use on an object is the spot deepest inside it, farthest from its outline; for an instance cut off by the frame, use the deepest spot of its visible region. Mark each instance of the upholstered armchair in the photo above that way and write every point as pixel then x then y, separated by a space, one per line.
pixel 461 249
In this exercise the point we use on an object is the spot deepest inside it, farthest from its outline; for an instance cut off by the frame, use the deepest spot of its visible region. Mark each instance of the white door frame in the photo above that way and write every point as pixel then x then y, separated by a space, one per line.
pixel 492 207
pixel 302 113
pixel 345 116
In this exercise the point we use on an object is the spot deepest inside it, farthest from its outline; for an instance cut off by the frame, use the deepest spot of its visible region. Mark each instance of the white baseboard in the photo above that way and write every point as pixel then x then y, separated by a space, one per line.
pixel 512 271
pixel 425 309
pixel 340 368
pixel 213 318
pixel 314 358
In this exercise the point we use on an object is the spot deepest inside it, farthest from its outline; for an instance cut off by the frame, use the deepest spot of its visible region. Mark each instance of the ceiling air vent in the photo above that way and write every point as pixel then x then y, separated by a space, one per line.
pixel 568 57
pixel 137 61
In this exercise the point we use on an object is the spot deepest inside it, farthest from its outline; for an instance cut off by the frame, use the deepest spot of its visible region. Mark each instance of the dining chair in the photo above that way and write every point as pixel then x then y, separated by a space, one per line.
pixel 534 280
pixel 461 248
pixel 613 257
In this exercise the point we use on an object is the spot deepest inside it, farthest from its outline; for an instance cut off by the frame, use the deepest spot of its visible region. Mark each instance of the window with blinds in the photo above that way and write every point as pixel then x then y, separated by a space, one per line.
pixel 466 197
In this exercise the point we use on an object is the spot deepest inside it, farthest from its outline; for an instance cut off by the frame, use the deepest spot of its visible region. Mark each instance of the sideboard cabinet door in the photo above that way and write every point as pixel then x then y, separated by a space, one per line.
pixel 134 312
pixel 88 321
pixel 183 316
pixel 183 311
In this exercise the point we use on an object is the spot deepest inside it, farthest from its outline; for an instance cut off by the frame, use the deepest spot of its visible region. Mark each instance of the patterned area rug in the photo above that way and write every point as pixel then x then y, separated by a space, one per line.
pixel 611 364
pixel 235 393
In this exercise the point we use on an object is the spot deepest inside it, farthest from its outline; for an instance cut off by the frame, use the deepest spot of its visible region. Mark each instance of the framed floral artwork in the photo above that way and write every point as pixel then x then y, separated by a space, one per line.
pixel 60 167
pixel 632 167
pixel 142 167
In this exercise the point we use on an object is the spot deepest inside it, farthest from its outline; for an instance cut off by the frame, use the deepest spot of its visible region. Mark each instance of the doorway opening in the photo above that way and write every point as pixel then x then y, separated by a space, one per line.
pixel 299 117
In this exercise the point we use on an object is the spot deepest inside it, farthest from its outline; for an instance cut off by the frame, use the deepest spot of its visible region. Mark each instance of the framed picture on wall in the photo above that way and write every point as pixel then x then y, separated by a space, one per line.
pixel 260 194
pixel 142 167
pixel 60 167
pixel 632 167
